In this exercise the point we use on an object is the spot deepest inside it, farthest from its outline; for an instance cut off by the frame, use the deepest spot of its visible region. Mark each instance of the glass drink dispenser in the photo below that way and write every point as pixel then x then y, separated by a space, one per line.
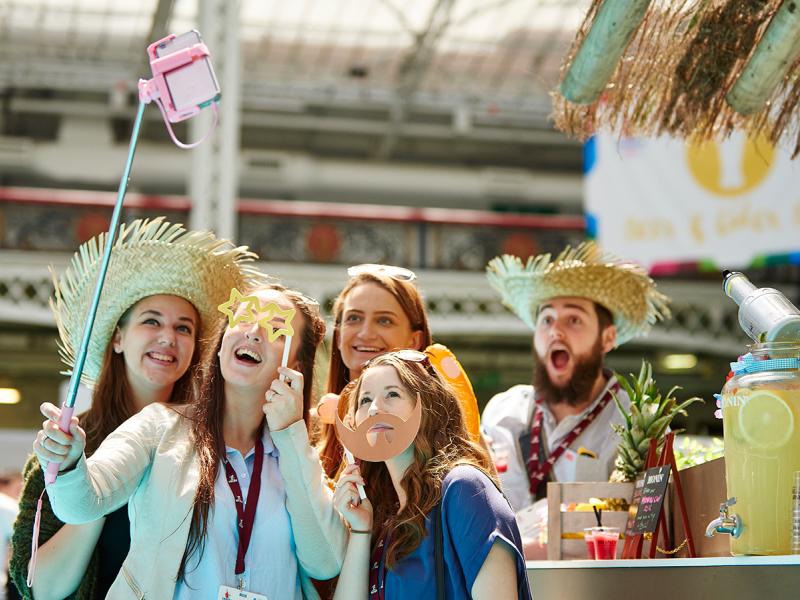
pixel 761 423
pixel 761 420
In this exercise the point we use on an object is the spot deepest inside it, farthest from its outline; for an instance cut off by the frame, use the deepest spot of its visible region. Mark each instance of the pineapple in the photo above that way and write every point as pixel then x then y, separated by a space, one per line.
pixel 649 418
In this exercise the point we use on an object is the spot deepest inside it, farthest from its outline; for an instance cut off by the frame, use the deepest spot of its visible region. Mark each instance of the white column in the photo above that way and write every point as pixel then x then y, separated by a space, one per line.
pixel 213 179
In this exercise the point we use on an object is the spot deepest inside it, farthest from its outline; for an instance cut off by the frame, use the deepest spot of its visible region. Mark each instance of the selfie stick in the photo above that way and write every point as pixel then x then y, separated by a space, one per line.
pixel 149 90
pixel 69 404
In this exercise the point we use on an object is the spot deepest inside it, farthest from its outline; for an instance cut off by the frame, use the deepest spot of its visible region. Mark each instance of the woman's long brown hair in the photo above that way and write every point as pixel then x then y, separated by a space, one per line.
pixel 210 407
pixel 410 300
pixel 112 397
pixel 441 444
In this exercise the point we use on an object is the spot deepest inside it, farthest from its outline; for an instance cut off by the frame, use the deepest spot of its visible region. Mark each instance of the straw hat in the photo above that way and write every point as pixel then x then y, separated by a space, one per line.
pixel 149 257
pixel 624 288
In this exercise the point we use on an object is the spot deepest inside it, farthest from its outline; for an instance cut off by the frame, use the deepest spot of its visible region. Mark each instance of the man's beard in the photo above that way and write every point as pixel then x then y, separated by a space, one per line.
pixel 576 391
pixel 383 445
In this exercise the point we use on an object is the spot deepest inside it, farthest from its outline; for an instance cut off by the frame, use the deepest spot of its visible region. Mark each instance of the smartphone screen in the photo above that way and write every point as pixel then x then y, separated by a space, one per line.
pixel 184 40
pixel 193 84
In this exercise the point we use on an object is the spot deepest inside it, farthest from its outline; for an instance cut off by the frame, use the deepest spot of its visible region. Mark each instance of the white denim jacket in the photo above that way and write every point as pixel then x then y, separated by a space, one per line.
pixel 150 463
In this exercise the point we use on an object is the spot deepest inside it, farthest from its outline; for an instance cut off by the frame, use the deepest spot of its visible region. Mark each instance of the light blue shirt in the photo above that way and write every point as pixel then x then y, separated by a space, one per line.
pixel 270 564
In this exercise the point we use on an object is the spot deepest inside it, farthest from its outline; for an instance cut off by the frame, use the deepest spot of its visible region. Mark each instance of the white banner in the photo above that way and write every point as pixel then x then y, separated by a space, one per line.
pixel 666 201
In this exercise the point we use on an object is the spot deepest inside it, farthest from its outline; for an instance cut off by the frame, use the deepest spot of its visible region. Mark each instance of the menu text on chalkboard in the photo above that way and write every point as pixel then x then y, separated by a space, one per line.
pixel 648 498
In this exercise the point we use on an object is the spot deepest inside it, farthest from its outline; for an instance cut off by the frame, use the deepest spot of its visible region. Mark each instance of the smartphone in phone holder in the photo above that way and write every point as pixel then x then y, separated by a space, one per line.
pixel 183 80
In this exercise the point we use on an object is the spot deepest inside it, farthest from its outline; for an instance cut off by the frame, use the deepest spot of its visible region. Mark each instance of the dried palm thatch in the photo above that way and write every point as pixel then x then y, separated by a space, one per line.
pixel 685 67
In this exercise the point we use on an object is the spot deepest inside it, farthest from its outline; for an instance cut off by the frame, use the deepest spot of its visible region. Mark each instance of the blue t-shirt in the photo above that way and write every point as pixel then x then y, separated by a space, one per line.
pixel 474 515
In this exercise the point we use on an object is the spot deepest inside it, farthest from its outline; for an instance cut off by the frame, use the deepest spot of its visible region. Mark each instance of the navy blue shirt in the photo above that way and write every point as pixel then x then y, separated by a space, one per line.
pixel 474 515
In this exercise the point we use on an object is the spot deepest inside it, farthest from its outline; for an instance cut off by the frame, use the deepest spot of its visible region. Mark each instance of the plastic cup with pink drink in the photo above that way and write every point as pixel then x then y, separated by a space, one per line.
pixel 604 540
pixel 588 535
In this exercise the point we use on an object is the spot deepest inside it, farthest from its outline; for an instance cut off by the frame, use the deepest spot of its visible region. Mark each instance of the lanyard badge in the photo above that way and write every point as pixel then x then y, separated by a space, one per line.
pixel 246 517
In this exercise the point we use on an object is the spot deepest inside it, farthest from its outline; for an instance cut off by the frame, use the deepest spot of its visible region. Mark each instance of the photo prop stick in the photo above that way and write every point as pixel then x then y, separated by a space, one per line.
pixel 350 461
pixel 174 61
pixel 264 315
pixel 385 444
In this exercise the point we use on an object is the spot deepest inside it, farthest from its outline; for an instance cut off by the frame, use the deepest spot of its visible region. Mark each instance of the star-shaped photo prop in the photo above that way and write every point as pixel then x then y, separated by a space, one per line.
pixel 273 319
pixel 275 315
pixel 229 308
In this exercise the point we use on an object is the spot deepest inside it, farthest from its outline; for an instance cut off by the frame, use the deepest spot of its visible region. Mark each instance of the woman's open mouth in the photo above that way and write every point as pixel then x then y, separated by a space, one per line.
pixel 248 356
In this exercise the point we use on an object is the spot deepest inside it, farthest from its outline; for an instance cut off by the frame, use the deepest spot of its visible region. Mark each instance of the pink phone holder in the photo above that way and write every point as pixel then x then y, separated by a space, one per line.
pixel 157 88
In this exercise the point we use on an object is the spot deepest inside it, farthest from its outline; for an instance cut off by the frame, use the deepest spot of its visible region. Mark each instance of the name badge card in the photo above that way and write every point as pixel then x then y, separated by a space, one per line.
pixel 232 593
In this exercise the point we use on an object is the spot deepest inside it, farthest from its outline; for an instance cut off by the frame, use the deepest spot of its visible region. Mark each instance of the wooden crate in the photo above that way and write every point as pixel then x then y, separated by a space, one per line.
pixel 571 524
pixel 703 490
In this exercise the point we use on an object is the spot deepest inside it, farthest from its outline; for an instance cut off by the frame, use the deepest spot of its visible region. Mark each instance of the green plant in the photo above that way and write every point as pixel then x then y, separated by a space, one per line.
pixel 649 417
pixel 690 452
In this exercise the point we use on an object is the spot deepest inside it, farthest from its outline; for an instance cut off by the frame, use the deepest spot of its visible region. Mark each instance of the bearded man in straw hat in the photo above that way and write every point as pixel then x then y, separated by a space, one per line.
pixel 580 306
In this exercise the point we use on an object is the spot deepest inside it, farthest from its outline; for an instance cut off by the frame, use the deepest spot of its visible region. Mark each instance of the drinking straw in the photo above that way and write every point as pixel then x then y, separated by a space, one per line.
pixel 598 515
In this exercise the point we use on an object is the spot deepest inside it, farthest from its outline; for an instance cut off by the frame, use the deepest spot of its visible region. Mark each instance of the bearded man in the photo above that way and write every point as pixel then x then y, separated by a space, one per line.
pixel 580 307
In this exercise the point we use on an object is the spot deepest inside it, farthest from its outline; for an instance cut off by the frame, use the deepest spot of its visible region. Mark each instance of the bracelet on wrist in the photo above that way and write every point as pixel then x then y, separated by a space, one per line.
pixel 364 531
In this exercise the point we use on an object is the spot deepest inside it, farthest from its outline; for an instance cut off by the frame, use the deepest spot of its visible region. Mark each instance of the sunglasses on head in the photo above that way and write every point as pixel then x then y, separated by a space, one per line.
pixel 397 273
pixel 312 304
pixel 406 355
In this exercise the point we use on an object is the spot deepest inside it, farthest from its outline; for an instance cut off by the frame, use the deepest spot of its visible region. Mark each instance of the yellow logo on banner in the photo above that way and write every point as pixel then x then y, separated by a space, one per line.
pixel 732 167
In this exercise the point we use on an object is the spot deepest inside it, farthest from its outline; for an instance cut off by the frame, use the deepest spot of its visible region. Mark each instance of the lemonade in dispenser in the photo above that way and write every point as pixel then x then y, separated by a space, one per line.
pixel 761 422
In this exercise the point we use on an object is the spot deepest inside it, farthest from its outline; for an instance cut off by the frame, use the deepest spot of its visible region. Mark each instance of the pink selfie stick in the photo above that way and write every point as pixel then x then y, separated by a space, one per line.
pixel 196 87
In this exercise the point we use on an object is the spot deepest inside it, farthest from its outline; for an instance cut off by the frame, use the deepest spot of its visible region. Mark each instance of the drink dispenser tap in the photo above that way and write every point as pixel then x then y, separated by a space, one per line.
pixel 725 523
pixel 765 314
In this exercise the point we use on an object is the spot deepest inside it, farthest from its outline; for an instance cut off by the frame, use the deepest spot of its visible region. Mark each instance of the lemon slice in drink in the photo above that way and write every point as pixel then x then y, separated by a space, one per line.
pixel 766 420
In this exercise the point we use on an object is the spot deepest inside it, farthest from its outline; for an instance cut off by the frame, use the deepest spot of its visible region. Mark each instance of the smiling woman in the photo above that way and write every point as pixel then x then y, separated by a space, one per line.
pixel 430 478
pixel 379 310
pixel 156 338
pixel 146 339
pixel 243 483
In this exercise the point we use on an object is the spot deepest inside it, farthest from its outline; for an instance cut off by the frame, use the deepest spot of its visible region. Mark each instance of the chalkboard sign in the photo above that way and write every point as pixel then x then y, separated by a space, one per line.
pixel 648 497
pixel 634 505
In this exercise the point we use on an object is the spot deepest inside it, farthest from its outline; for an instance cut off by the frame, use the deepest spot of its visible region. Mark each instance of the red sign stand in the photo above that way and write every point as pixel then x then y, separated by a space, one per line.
pixel 632 548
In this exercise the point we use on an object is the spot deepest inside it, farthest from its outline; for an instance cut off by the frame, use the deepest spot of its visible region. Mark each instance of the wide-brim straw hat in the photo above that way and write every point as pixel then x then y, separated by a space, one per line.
pixel 623 287
pixel 149 257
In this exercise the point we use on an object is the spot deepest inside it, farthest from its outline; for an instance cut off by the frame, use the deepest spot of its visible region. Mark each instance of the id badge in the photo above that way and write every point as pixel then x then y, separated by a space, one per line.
pixel 232 593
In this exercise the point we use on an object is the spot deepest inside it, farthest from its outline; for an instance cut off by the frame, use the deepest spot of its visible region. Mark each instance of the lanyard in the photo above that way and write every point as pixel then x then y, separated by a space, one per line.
pixel 246 514
pixel 539 470
pixel 377 570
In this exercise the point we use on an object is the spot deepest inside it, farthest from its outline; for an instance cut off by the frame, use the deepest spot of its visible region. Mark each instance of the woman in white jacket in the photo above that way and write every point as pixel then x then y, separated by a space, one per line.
pixel 185 472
